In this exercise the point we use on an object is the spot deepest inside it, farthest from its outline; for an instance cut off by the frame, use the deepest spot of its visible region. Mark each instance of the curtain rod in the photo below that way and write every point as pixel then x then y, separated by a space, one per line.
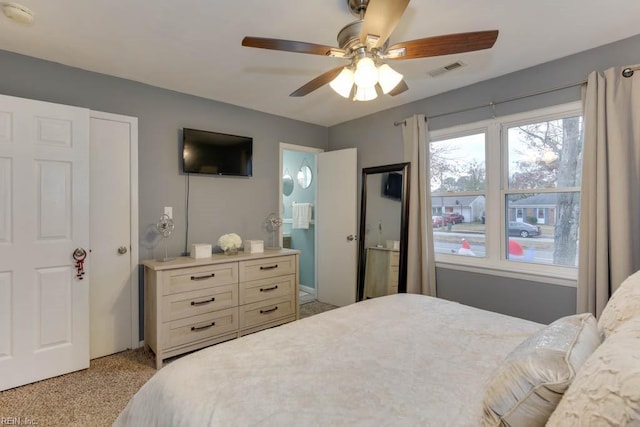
pixel 493 104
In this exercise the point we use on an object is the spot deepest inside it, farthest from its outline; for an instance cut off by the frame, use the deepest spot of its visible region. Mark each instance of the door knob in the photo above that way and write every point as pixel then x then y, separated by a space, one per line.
pixel 351 237
pixel 122 250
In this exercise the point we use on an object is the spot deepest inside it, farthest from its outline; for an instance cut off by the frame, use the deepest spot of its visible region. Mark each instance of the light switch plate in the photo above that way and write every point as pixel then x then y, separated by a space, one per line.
pixel 168 210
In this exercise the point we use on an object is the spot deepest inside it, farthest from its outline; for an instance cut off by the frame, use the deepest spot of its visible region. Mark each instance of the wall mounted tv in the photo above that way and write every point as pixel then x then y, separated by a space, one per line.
pixel 392 186
pixel 216 153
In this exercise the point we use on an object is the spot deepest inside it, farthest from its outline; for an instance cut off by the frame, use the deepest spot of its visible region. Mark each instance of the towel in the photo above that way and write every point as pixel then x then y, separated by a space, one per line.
pixel 301 215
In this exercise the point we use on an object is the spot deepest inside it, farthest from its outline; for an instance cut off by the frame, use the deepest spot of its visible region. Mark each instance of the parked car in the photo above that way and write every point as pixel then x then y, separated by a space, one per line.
pixel 438 221
pixel 523 229
pixel 453 217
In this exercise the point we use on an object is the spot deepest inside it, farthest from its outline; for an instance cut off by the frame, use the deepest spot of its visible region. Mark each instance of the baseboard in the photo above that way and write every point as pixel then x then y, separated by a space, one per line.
pixel 308 290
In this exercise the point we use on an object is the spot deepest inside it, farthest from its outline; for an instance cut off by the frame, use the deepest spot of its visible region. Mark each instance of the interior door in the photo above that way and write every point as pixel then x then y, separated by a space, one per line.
pixel 112 296
pixel 336 222
pixel 44 217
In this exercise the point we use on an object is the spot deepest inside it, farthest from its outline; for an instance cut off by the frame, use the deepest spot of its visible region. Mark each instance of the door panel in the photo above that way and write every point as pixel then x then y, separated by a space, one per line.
pixel 111 228
pixel 44 190
pixel 336 220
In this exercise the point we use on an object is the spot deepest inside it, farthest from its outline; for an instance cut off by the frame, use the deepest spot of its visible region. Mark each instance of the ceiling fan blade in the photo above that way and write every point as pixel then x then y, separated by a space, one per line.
pixel 292 46
pixel 400 87
pixel 445 45
pixel 381 18
pixel 319 81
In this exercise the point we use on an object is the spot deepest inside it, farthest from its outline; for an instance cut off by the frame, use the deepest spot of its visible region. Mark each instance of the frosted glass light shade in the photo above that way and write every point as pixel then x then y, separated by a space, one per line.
pixel 366 74
pixel 343 83
pixel 388 78
pixel 365 93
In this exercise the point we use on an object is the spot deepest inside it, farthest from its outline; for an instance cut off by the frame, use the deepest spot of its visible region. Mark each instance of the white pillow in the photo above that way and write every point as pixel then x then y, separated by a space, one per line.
pixel 606 390
pixel 623 305
pixel 531 380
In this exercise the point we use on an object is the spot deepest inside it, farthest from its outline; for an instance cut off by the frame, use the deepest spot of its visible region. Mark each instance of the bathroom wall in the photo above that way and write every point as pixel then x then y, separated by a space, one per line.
pixel 301 239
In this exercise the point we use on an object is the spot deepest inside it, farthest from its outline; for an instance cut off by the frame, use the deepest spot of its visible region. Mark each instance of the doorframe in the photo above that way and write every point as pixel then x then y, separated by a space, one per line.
pixel 300 148
pixel 133 218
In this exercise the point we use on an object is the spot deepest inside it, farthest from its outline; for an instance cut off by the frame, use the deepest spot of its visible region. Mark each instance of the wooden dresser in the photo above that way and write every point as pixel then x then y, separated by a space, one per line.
pixel 193 303
pixel 381 274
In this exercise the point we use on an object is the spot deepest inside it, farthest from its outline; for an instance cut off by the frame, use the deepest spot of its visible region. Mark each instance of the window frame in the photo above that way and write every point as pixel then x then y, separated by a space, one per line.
pixel 495 260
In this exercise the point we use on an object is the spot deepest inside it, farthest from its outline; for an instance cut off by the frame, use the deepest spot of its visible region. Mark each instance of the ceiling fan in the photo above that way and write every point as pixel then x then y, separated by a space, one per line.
pixel 365 43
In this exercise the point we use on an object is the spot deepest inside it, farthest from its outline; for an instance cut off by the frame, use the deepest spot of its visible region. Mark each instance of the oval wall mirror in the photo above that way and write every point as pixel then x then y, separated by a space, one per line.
pixel 287 184
pixel 304 176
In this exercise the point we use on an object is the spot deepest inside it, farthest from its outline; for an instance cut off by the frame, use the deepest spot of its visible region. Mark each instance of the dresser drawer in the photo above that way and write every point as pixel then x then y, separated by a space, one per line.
pixel 265 311
pixel 267 267
pixel 273 287
pixel 190 279
pixel 186 304
pixel 196 328
pixel 394 258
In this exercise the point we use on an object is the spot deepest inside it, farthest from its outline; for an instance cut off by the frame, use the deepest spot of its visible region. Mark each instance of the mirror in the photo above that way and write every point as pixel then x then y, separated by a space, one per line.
pixel 382 257
pixel 287 183
pixel 305 175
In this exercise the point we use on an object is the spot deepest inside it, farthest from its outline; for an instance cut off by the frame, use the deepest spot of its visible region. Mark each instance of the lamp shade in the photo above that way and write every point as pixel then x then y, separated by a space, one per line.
pixel 365 93
pixel 343 82
pixel 388 78
pixel 366 74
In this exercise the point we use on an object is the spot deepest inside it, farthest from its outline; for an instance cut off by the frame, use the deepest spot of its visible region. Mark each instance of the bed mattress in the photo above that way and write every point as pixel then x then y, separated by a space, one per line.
pixel 396 360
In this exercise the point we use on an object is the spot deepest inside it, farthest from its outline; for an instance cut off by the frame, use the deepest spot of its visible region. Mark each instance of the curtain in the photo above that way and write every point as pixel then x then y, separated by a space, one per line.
pixel 421 267
pixel 610 198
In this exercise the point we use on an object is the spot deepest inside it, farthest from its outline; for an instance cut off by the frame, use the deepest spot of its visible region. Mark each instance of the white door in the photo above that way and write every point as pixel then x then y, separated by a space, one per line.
pixel 113 293
pixel 336 222
pixel 44 217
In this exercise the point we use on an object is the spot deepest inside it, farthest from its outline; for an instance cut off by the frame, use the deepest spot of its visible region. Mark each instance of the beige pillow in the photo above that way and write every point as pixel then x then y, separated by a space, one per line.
pixel 530 382
pixel 606 390
pixel 623 305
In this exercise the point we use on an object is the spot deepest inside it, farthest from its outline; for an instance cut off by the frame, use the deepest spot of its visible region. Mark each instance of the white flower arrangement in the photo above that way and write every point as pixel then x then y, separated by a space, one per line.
pixel 228 241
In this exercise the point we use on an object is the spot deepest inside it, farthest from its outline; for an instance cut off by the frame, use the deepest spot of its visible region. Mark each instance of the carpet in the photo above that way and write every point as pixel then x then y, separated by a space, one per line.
pixel 94 396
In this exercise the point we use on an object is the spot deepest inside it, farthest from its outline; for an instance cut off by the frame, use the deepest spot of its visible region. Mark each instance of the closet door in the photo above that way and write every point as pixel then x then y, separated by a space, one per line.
pixel 44 218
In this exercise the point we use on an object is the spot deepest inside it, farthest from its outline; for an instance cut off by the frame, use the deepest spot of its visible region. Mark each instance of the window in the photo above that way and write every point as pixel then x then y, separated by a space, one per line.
pixel 458 181
pixel 520 201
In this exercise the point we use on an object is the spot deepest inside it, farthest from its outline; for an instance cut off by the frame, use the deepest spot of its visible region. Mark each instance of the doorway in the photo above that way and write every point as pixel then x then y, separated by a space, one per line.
pixel 298 184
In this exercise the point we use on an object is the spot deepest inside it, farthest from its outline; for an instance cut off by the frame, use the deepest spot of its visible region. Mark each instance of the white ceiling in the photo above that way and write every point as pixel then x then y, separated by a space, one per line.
pixel 194 46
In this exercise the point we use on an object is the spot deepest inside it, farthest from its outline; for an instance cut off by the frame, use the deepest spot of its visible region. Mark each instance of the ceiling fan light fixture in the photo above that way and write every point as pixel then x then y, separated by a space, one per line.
pixel 343 83
pixel 365 93
pixel 388 78
pixel 366 74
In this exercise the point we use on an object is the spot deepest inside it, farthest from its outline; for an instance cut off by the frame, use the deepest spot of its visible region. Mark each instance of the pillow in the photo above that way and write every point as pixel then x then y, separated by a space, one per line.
pixel 606 390
pixel 530 382
pixel 623 305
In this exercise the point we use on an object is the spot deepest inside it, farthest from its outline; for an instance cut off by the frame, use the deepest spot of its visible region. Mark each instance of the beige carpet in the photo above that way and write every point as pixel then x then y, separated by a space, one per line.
pixel 93 397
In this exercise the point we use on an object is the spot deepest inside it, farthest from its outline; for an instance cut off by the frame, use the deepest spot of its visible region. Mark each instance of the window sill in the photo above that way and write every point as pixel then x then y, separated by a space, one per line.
pixel 553 275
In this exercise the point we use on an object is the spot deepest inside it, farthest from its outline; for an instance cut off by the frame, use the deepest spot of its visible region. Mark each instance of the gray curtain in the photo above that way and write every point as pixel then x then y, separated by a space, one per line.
pixel 610 198
pixel 421 267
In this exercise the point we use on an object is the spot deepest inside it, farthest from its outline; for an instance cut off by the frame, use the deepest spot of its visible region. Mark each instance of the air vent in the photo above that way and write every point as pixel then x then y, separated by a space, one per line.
pixel 447 68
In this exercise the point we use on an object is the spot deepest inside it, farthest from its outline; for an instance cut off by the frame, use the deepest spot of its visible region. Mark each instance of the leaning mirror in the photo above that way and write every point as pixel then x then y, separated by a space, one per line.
pixel 382 258
pixel 287 183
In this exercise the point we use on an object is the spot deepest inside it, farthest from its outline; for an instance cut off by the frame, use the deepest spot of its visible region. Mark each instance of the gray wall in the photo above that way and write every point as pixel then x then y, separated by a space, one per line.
pixel 218 205
pixel 380 142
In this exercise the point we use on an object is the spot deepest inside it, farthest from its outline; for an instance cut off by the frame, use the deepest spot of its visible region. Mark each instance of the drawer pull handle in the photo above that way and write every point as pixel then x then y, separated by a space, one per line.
pixel 202 328
pixel 203 277
pixel 269 267
pixel 271 310
pixel 203 302
pixel 273 288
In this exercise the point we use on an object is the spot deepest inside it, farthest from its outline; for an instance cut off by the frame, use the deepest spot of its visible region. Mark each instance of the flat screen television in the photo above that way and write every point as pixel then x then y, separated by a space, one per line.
pixel 214 153
pixel 392 186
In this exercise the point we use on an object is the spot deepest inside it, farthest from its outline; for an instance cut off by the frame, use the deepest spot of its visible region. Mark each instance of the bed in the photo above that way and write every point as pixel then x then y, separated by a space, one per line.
pixel 396 360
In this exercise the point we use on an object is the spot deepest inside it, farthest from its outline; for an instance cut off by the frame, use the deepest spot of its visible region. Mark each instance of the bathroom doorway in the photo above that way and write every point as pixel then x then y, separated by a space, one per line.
pixel 298 184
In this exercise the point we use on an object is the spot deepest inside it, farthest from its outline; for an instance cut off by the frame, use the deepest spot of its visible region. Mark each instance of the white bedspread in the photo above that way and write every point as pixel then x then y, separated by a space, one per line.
pixel 397 360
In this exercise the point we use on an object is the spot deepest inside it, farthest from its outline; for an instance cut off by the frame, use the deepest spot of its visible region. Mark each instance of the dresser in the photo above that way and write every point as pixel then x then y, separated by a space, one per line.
pixel 193 303
pixel 381 273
